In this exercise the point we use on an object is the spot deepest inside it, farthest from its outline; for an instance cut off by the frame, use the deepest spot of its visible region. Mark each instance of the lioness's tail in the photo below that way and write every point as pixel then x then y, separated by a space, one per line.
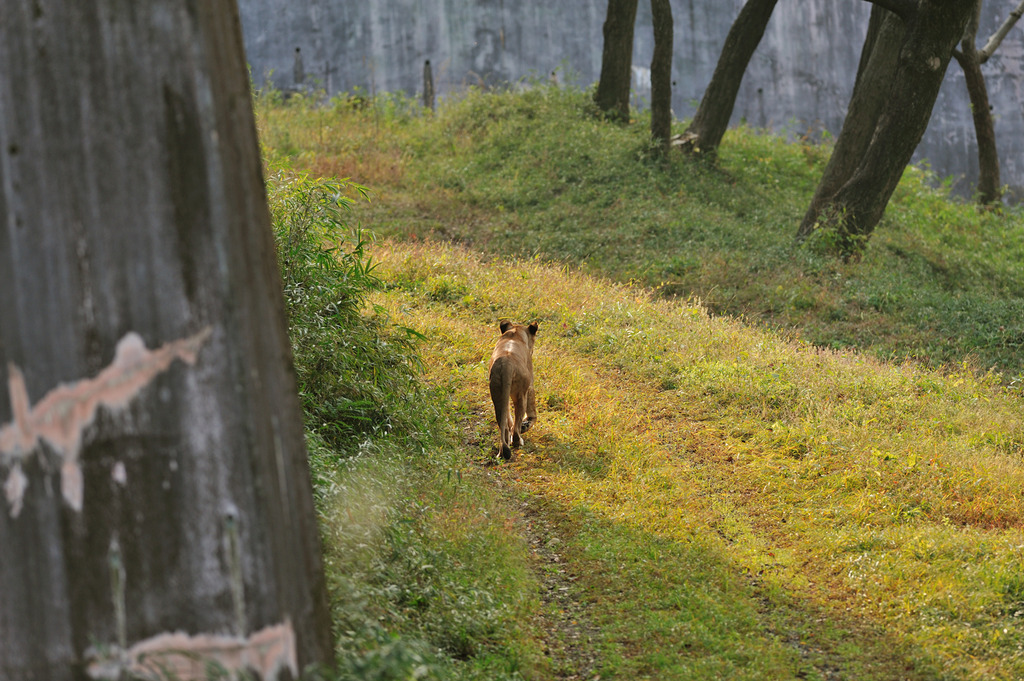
pixel 501 392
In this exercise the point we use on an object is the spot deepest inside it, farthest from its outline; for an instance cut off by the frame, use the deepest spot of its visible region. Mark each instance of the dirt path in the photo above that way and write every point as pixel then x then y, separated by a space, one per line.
pixel 570 633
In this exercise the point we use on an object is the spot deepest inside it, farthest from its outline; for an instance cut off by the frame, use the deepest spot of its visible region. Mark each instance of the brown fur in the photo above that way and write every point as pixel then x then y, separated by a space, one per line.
pixel 511 377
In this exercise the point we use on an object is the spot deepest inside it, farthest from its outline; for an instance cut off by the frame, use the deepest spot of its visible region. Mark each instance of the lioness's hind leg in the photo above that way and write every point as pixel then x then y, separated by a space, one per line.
pixel 517 429
pixel 531 410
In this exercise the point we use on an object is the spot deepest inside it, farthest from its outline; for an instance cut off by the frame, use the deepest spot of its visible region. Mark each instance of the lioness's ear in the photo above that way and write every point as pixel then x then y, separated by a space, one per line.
pixel 505 325
pixel 532 328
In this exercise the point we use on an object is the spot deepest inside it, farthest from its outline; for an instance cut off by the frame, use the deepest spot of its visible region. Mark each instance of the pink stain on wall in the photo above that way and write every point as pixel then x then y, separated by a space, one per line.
pixel 268 652
pixel 67 410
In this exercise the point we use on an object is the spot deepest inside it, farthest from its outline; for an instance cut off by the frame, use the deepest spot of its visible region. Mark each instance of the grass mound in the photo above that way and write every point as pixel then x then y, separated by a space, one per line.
pixel 536 174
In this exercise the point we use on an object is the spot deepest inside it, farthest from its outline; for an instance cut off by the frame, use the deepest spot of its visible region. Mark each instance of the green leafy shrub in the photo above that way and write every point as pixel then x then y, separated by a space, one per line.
pixel 355 371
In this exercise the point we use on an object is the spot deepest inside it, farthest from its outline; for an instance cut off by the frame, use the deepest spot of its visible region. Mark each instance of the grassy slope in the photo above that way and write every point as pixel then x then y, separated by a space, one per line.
pixel 535 174
pixel 725 502
pixel 737 505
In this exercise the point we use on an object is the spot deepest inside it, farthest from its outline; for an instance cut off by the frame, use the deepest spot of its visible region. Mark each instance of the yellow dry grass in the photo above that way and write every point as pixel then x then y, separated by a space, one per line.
pixel 885 495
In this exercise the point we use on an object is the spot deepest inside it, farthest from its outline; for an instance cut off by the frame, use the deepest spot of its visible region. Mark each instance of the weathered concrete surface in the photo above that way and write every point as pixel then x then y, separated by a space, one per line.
pixel 799 80
pixel 156 504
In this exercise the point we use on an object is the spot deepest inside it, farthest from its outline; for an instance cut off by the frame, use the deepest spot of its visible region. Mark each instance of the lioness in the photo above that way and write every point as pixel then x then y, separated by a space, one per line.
pixel 511 376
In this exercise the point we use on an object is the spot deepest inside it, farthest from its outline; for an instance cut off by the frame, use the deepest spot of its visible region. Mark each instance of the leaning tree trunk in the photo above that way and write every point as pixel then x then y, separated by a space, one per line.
pixel 989 190
pixel 875 72
pixel 157 513
pixel 709 124
pixel 934 28
pixel 612 95
pixel 661 75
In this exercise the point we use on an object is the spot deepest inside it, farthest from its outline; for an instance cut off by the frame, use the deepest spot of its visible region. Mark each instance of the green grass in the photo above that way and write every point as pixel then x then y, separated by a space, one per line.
pixel 426 581
pixel 758 497
pixel 536 174
pixel 735 504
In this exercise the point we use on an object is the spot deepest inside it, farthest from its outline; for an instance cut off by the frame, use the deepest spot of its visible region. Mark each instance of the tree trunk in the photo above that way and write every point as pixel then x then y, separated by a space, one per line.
pixel 612 95
pixel 933 30
pixel 157 505
pixel 709 124
pixel 870 94
pixel 989 189
pixel 661 75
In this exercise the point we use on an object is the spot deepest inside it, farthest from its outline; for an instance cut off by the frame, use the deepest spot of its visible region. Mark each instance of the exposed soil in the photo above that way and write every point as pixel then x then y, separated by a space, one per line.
pixel 570 633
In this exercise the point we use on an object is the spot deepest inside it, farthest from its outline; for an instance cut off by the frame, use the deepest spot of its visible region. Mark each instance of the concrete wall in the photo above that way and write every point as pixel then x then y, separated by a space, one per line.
pixel 799 79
